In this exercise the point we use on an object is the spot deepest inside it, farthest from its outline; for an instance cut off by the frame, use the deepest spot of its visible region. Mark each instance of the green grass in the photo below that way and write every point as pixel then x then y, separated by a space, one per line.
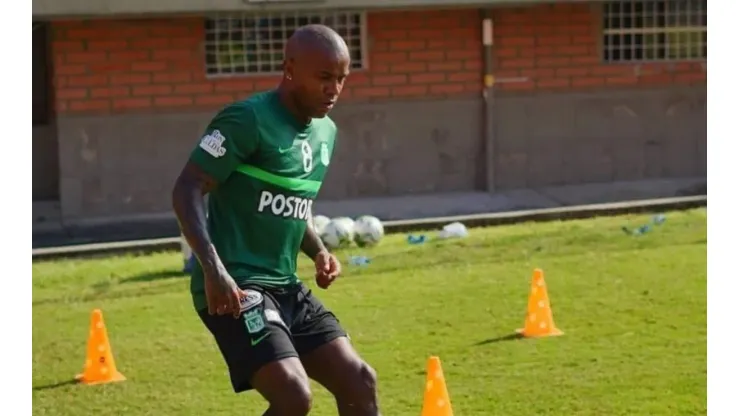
pixel 633 309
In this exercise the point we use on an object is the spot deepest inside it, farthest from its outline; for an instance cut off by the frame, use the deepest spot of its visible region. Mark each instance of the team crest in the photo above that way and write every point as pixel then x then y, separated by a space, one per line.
pixel 325 154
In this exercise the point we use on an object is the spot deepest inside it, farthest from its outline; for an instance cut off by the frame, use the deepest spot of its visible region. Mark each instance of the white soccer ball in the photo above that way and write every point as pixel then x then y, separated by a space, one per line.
pixel 319 222
pixel 338 233
pixel 368 231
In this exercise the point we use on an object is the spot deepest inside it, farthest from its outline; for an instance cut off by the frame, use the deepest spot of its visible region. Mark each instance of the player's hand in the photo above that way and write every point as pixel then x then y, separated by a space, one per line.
pixel 222 293
pixel 328 269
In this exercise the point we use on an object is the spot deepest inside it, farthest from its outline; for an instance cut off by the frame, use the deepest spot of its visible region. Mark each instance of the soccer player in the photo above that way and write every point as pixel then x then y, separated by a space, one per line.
pixel 262 162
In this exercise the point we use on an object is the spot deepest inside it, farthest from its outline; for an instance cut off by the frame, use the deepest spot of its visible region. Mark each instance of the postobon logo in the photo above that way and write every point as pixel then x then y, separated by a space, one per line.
pixel 285 206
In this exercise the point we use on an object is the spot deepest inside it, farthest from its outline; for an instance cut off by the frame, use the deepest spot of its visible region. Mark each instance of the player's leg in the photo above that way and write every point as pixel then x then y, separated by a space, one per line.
pixel 260 355
pixel 330 359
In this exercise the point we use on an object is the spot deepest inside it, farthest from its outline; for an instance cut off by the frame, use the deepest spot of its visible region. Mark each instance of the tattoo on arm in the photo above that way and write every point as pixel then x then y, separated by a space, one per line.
pixel 188 203
pixel 311 244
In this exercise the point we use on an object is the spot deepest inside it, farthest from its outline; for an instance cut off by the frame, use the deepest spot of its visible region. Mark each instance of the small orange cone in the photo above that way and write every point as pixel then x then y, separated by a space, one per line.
pixel 539 322
pixel 99 364
pixel 436 398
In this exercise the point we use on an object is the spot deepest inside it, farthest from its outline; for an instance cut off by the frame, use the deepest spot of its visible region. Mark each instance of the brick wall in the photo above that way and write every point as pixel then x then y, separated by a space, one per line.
pixel 148 64
pixel 557 47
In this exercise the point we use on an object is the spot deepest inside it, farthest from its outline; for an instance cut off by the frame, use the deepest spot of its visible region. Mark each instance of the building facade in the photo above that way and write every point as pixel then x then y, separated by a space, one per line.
pixel 566 93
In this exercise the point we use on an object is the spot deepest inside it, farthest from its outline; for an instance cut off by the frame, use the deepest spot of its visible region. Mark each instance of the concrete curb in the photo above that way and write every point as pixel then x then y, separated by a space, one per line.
pixel 471 221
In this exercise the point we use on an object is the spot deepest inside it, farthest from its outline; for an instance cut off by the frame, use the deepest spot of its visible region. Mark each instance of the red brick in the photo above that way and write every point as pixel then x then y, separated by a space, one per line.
pixel 427 78
pixel 172 77
pixel 146 90
pixel 170 30
pixel 132 103
pixel 573 72
pixel 391 34
pixel 203 88
pixel 130 79
pixel 173 54
pixel 129 56
pixel 370 92
pixel 71 93
pixel 587 81
pixel 409 67
pixel 214 100
pixel 108 92
pixel 390 80
pixel 87 80
pixel 621 80
pixel 447 88
pixel 85 57
pixel 445 66
pixel 515 41
pixel 427 34
pixel 406 45
pixel 173 101
pixel 553 62
pixel 106 45
pixel 464 54
pixel 109 67
pixel 410 90
pixel 518 86
pixel 150 43
pixel 552 83
pixel 517 63
pixel 148 66
pixel 389 57
pixel 67 46
pixel 427 56
pixel 572 50
pixel 69 69
pixel 463 76
pixel 446 44
pixel 538 72
pixel 88 105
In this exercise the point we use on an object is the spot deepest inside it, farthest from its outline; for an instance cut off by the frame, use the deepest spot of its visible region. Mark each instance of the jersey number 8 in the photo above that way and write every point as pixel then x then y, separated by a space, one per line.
pixel 307 153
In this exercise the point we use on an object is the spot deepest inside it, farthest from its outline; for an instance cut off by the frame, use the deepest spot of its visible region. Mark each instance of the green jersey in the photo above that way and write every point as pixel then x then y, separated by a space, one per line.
pixel 269 168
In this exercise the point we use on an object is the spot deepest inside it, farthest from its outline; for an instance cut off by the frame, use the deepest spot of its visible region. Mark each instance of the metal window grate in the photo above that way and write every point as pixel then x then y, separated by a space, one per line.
pixel 252 43
pixel 654 30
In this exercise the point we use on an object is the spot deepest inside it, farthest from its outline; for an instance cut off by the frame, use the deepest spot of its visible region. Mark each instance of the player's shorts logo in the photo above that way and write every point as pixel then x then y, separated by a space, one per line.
pixel 285 206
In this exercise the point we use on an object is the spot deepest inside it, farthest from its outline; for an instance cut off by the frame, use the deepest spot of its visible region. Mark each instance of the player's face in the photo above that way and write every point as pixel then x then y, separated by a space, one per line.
pixel 319 80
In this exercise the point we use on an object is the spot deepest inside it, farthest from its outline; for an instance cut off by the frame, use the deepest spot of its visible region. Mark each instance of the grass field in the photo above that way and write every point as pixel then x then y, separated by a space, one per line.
pixel 633 309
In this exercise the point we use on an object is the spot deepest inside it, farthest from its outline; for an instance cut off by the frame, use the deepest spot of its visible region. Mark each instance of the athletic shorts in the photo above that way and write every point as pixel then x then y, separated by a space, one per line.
pixel 274 324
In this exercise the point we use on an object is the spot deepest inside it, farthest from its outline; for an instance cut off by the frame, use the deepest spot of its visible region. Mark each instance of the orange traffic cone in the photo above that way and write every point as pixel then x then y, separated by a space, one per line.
pixel 99 364
pixel 539 322
pixel 436 398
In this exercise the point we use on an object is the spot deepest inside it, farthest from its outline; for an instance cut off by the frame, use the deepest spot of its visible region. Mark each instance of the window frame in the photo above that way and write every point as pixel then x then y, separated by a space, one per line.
pixel 357 65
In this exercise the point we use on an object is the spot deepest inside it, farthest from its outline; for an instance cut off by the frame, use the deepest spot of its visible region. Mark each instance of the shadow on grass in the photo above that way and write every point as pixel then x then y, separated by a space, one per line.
pixel 55 385
pixel 152 276
pixel 502 338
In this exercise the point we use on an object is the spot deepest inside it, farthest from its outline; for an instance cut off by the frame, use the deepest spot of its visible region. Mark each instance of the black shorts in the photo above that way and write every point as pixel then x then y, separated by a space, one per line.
pixel 274 324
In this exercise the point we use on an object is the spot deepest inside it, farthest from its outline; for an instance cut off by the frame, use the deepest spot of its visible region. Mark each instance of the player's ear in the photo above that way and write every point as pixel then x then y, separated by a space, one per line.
pixel 288 68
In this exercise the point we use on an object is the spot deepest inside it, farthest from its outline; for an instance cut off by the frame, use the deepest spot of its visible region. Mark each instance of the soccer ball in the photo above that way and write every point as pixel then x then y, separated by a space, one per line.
pixel 338 233
pixel 368 231
pixel 319 222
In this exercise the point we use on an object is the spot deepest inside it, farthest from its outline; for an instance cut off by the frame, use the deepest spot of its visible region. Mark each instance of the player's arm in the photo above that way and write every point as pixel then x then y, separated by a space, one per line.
pixel 311 244
pixel 228 140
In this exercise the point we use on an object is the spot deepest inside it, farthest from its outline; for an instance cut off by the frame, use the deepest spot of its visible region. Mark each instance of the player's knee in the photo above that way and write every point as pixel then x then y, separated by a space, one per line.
pixel 368 378
pixel 295 398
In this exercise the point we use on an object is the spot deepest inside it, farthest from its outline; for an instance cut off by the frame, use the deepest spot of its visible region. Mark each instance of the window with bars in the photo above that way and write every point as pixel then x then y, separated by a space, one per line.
pixel 654 30
pixel 253 43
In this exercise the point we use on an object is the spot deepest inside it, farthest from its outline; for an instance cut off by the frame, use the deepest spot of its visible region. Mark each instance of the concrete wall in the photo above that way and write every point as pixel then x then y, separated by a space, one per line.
pixel 571 119
pixel 132 97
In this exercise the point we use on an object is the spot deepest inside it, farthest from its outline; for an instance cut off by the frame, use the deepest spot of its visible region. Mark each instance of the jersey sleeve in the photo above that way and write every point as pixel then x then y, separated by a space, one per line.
pixel 230 138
